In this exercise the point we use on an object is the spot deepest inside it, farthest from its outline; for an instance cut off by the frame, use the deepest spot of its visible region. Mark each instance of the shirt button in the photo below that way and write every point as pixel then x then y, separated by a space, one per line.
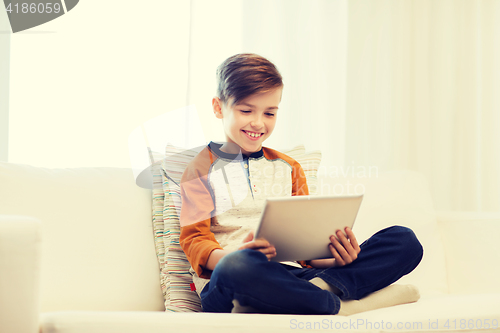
pixel 246 166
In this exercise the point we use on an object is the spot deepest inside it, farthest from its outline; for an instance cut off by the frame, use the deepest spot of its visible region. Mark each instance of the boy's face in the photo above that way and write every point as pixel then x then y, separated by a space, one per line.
pixel 251 121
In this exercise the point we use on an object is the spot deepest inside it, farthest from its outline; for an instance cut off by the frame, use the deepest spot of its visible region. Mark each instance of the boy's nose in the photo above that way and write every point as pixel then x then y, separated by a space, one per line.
pixel 257 123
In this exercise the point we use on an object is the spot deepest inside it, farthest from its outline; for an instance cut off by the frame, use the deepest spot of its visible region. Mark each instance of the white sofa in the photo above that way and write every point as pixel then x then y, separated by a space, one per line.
pixel 77 255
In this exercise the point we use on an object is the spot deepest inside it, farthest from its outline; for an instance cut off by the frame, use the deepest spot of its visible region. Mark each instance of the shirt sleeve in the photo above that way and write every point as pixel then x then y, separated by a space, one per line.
pixel 196 239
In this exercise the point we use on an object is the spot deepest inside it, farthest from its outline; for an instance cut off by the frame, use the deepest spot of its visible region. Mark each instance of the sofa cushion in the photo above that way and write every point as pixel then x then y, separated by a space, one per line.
pixel 97 239
pixel 395 198
pixel 20 252
pixel 472 252
pixel 450 313
pixel 176 279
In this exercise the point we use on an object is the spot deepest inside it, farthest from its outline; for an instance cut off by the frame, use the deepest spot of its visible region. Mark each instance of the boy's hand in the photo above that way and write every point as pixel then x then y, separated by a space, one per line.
pixel 346 250
pixel 258 244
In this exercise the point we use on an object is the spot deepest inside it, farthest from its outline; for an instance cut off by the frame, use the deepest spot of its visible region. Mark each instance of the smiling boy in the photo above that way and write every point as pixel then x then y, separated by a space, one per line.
pixel 248 123
pixel 223 192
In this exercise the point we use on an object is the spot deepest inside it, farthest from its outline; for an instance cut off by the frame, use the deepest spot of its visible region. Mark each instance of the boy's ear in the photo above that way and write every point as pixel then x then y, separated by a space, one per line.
pixel 217 107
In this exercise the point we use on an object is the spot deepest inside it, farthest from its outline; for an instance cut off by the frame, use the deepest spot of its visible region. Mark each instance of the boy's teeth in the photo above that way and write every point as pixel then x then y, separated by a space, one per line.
pixel 254 134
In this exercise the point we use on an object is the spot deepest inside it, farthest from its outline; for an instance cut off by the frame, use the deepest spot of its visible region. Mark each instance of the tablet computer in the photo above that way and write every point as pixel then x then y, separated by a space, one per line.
pixel 299 227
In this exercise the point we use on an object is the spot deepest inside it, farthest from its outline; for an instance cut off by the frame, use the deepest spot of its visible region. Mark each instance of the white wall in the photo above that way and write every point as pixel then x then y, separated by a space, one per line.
pixel 80 84
pixel 83 82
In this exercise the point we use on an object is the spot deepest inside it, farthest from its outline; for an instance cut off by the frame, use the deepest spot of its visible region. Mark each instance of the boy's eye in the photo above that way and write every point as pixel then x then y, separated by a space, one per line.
pixel 245 111
pixel 270 114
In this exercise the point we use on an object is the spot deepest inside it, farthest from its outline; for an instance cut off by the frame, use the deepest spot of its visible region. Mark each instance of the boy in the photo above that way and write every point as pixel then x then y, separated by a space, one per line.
pixel 223 191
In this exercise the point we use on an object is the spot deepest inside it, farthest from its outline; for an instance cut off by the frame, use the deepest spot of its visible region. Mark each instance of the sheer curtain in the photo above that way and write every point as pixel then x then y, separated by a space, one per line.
pixel 381 84
pixel 422 93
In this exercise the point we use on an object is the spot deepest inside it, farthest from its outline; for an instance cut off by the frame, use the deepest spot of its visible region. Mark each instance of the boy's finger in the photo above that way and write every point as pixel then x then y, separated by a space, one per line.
pixel 248 237
pixel 344 241
pixel 258 245
pixel 271 253
pixel 244 246
pixel 261 243
pixel 345 250
pixel 347 246
pixel 339 247
pixel 352 239
pixel 268 250
pixel 338 259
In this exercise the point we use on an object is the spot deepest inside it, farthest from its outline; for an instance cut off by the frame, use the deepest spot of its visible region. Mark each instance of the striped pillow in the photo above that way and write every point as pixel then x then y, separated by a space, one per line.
pixel 174 266
pixel 158 225
pixel 309 163
pixel 180 297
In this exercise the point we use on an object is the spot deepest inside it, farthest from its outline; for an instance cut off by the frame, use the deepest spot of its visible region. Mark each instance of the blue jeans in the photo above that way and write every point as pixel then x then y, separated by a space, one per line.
pixel 271 287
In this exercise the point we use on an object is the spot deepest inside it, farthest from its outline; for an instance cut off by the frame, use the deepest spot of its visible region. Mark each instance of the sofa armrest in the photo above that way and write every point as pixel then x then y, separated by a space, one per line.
pixel 470 241
pixel 20 247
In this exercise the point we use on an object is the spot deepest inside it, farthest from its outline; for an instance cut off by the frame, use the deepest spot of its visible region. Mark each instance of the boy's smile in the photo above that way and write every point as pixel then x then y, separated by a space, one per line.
pixel 249 122
pixel 253 135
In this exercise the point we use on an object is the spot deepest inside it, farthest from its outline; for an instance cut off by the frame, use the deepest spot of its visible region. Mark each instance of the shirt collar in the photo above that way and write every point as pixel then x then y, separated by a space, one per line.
pixel 215 147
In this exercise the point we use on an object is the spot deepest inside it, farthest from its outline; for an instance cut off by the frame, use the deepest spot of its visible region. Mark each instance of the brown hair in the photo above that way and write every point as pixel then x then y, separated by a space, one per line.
pixel 246 74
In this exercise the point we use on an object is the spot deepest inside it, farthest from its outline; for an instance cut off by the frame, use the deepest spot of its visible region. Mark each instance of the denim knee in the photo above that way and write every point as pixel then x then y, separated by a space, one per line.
pixel 238 265
pixel 408 243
